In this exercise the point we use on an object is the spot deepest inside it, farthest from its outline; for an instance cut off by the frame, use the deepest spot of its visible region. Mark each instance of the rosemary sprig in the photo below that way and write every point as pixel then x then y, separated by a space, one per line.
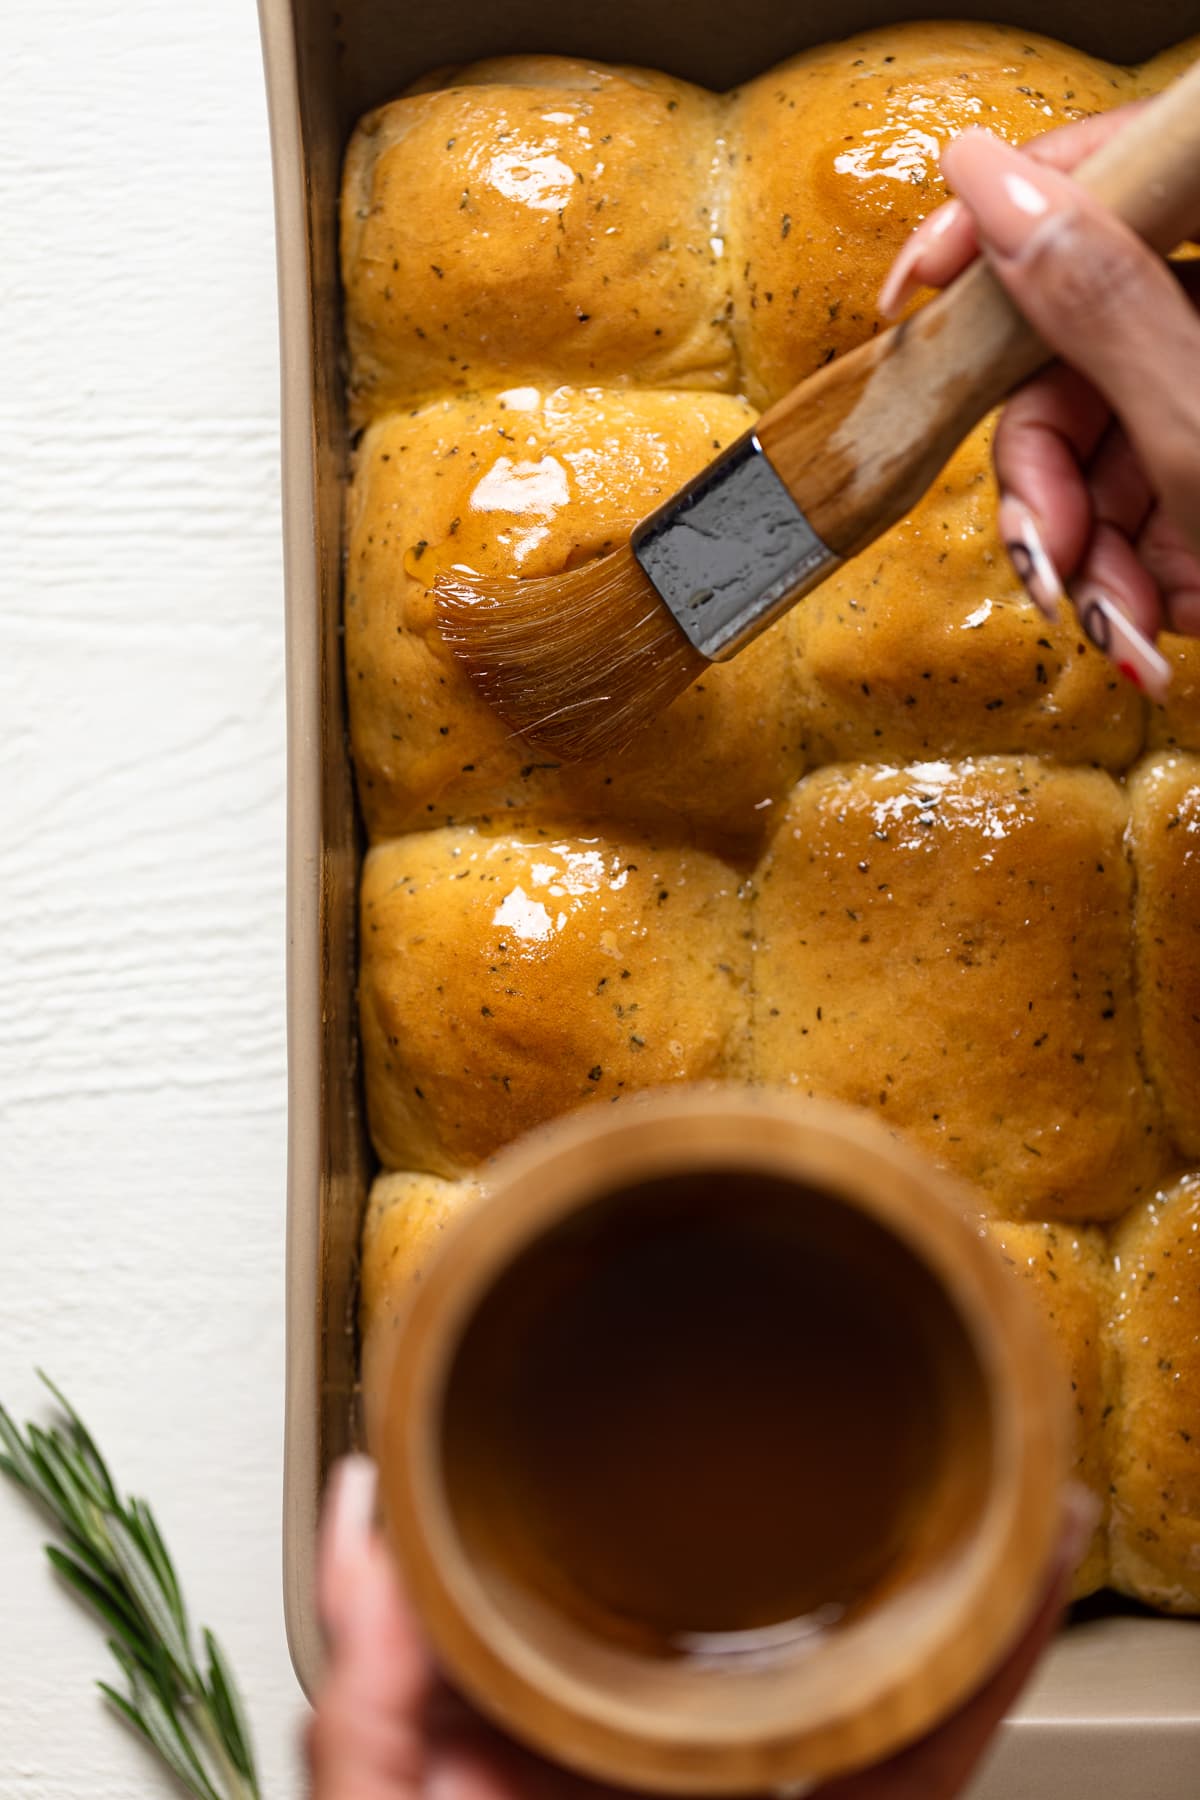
pixel 186 1706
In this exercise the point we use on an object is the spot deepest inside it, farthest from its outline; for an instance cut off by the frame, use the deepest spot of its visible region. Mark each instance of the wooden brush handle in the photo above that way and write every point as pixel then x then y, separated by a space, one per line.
pixel 860 442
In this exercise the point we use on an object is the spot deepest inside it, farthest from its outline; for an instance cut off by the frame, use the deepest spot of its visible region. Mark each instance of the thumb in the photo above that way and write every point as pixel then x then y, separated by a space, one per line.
pixel 365 1740
pixel 1098 296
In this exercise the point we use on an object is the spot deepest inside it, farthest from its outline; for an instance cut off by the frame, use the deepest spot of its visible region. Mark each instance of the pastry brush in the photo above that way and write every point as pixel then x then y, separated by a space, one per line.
pixel 578 663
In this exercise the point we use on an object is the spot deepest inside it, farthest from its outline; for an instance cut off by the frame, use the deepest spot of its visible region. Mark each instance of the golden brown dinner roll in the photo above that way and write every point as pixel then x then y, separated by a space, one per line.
pixel 834 160
pixel 1154 75
pixel 536 220
pixel 927 646
pixel 1177 722
pixel 508 979
pixel 1066 1270
pixel 406 1216
pixel 1165 794
pixel 525 482
pixel 1155 1529
pixel 951 945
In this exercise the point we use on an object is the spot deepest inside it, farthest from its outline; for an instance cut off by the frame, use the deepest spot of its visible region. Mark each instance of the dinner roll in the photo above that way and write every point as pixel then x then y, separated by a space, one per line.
pixel 534 220
pixel 1165 795
pixel 406 1216
pixel 1176 723
pixel 521 482
pixel 927 646
pixel 951 945
pixel 1065 1269
pixel 835 160
pixel 508 979
pixel 1155 1529
pixel 1154 75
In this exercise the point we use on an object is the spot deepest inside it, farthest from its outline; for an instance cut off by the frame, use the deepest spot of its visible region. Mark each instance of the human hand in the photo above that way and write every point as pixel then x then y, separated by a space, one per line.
pixel 1098 457
pixel 387 1727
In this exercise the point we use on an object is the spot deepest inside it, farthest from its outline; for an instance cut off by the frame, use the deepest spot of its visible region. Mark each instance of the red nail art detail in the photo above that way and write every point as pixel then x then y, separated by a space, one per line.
pixel 1127 648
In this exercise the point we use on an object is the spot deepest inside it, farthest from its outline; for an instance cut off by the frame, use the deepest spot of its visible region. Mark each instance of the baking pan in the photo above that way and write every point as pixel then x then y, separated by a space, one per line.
pixel 1115 1711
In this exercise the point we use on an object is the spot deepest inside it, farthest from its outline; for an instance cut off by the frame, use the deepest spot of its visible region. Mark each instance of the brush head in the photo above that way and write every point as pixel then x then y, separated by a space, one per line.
pixel 576 663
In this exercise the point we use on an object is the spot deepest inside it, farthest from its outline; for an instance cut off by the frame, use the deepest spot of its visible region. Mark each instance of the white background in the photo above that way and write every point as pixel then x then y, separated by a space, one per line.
pixel 141 837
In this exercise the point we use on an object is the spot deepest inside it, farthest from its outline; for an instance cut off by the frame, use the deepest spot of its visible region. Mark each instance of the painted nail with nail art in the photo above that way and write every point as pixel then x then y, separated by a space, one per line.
pixel 1029 557
pixel 1106 626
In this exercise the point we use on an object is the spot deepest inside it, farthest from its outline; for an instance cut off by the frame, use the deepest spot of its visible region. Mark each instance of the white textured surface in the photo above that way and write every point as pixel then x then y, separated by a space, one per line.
pixel 142 821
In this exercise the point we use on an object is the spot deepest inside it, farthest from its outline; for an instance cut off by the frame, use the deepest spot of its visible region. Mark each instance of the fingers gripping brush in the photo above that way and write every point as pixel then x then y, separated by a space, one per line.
pixel 579 663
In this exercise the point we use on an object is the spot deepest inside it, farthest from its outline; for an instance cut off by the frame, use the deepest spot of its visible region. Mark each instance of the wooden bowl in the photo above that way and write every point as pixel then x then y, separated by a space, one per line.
pixel 719 1451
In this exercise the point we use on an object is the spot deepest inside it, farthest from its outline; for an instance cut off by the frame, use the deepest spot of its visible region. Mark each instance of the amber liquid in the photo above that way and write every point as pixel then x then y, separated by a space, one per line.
pixel 699 1425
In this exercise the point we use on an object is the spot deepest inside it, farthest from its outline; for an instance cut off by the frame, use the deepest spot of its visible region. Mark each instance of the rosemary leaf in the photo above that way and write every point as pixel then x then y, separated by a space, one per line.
pixel 102 1597
pixel 98 1590
pixel 17 1462
pixel 72 1475
pixel 115 1560
pixel 84 1442
pixel 168 1739
pixel 97 1563
pixel 143 1583
pixel 149 1537
pixel 223 1689
pixel 123 1707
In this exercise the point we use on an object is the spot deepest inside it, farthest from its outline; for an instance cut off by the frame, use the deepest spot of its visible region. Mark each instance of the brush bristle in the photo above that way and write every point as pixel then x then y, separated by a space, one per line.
pixel 577 663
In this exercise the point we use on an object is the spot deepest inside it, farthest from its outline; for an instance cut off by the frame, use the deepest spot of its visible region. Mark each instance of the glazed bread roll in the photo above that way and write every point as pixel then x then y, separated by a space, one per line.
pixel 1166 843
pixel 508 979
pixel 926 646
pixel 951 945
pixel 1177 722
pixel 836 161
pixel 1155 1531
pixel 406 1215
pixel 1066 1271
pixel 1154 75
pixel 906 851
pixel 529 482
pixel 534 219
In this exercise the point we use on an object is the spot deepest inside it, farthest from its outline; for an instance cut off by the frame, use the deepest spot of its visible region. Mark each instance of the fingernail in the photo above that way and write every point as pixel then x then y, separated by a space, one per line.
pixel 353 1488
pixel 1124 645
pixel 1081 1515
pixel 901 282
pixel 904 278
pixel 1029 556
pixel 1009 196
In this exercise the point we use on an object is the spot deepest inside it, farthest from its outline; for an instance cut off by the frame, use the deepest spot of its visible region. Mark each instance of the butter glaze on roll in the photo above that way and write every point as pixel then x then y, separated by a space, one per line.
pixel 540 220
pixel 911 855
pixel 538 481
pixel 405 1217
pixel 1066 1269
pixel 1166 844
pixel 951 945
pixel 836 161
pixel 926 646
pixel 506 980
pixel 1155 1532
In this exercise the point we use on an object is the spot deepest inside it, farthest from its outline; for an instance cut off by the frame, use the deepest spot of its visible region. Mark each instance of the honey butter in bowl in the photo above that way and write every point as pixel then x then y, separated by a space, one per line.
pixel 719 1450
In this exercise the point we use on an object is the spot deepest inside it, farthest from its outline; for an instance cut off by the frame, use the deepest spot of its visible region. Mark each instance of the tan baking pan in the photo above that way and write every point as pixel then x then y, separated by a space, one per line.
pixel 1116 1712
